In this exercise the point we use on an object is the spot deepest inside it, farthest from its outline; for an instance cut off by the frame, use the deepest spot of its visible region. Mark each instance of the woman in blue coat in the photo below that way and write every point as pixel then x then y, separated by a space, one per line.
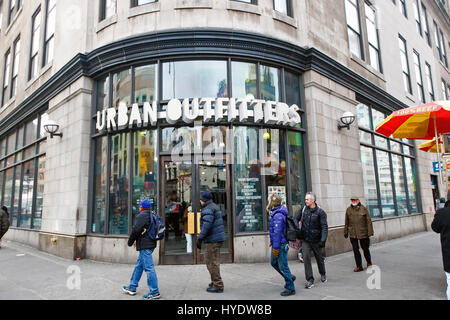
pixel 278 242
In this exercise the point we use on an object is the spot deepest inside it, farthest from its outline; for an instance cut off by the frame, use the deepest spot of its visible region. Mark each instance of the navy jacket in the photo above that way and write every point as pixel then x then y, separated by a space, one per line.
pixel 441 224
pixel 277 226
pixel 211 224
pixel 314 224
pixel 143 240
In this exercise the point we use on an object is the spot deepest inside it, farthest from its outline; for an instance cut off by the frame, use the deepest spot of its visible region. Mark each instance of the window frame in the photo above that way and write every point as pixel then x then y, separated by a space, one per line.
pixel 134 3
pixel 430 81
pixel 46 41
pixel 102 10
pixel 361 44
pixel 369 44
pixel 403 10
pixel 289 8
pixel 6 76
pixel 417 16
pixel 13 81
pixel 408 74
pixel 419 76
pixel 426 24
pixel 33 34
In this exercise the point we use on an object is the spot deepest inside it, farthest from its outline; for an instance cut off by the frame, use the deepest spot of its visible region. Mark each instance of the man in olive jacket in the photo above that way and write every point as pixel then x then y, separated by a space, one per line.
pixel 441 224
pixel 4 223
pixel 359 226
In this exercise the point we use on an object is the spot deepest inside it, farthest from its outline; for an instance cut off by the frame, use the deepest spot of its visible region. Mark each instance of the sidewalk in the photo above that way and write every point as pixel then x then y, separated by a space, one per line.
pixel 411 268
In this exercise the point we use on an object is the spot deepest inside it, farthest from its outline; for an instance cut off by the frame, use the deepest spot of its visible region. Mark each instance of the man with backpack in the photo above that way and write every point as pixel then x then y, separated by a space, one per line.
pixel 147 229
pixel 313 232
pixel 213 234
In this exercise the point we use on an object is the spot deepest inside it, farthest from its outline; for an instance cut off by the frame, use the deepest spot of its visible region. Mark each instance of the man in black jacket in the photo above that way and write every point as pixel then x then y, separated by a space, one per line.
pixel 140 238
pixel 441 224
pixel 213 234
pixel 314 233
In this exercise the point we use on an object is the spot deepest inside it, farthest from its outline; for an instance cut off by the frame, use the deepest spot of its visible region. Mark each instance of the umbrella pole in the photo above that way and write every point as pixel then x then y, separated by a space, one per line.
pixel 438 152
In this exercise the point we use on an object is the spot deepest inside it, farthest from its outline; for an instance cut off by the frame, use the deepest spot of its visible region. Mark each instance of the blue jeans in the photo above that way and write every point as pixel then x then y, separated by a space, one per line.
pixel 145 262
pixel 281 265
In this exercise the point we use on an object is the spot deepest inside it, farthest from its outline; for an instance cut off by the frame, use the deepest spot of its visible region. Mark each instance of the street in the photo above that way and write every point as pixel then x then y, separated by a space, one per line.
pixel 410 268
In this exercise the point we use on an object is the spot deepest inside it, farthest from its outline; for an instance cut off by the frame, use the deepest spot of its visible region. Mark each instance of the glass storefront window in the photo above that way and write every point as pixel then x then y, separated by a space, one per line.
pixel 270 83
pixel 370 184
pixel 395 146
pixel 411 183
pixel 145 176
pixel 365 137
pixel 247 180
pixel 27 195
pixel 30 132
pixel 118 193
pixel 100 179
pixel 385 180
pixel 15 208
pixel 122 87
pixel 43 120
pixel 292 85
pixel 178 139
pixel 363 116
pixel 103 93
pixel 381 142
pixel 297 171
pixel 274 163
pixel 2 174
pixel 39 193
pixel 11 146
pixel 145 83
pixel 20 138
pixel 400 188
pixel 243 79
pixel 2 148
pixel 7 196
pixel 377 118
pixel 195 79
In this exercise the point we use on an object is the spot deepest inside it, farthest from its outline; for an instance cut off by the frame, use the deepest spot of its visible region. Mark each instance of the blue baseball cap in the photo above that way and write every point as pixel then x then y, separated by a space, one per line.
pixel 146 204
pixel 205 196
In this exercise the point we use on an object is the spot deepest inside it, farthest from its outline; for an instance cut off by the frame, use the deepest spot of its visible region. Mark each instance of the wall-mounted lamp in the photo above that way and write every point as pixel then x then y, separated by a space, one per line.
pixel 52 128
pixel 346 119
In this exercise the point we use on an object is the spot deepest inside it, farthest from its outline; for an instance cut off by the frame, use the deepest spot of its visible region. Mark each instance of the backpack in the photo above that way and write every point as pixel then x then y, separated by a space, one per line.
pixel 291 229
pixel 156 229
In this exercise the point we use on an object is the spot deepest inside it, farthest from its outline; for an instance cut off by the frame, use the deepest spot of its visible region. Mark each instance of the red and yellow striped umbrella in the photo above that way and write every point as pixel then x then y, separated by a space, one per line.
pixel 421 122
pixel 430 145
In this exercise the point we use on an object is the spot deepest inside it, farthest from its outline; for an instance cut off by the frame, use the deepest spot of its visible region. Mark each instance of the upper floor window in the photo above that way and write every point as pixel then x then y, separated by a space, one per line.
pixel 108 8
pixel 429 76
pixel 135 3
pixel 402 6
pixel 445 92
pixel 405 64
pixel 6 72
pixel 443 49
pixel 49 39
pixel 372 36
pixel 1 14
pixel 417 16
pixel 15 70
pixel 283 6
pixel 437 39
pixel 353 27
pixel 426 28
pixel 35 40
pixel 14 6
pixel 419 80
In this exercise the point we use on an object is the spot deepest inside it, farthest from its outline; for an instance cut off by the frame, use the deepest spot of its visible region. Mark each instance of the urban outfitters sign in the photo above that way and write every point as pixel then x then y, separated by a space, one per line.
pixel 213 110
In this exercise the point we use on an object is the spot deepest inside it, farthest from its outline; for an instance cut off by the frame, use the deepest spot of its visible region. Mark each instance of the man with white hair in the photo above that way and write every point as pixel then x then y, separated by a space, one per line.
pixel 314 232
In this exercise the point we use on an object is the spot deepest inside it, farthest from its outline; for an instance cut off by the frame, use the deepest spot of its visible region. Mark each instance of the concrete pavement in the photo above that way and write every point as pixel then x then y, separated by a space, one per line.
pixel 410 268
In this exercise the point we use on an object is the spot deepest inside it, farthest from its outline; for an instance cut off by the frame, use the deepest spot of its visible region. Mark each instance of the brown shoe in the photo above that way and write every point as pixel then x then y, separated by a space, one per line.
pixel 358 269
pixel 369 265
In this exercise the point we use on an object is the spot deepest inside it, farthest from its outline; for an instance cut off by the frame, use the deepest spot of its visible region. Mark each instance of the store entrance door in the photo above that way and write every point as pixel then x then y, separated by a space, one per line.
pixel 182 182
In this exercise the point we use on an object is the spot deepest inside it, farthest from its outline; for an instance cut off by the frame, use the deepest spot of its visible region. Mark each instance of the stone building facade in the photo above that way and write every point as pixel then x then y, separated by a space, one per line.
pixel 76 195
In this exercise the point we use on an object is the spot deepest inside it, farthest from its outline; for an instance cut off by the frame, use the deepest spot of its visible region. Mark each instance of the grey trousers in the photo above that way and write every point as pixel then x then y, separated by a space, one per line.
pixel 307 248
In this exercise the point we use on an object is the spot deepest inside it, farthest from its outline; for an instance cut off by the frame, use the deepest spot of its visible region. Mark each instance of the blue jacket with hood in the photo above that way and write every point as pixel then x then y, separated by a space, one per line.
pixel 277 226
